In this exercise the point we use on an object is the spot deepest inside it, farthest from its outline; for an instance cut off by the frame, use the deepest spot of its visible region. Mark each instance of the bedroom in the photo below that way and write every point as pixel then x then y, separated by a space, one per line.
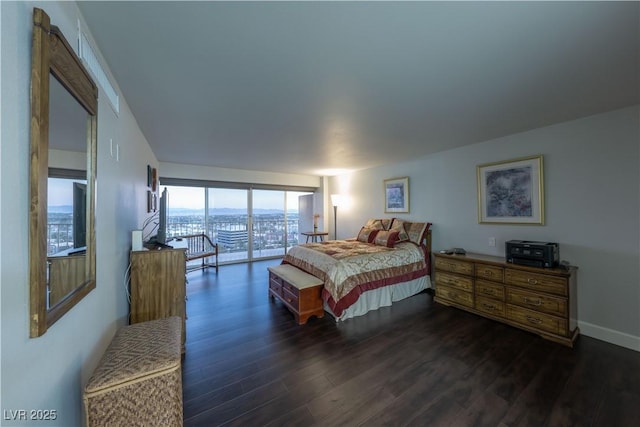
pixel 592 208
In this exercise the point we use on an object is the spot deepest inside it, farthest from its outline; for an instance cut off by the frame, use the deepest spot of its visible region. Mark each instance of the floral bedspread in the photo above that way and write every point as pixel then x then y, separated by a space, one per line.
pixel 349 268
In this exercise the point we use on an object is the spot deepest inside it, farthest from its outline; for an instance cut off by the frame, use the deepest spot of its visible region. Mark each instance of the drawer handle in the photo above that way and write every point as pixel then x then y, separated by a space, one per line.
pixel 488 273
pixel 489 306
pixel 534 320
pixel 452 266
pixel 489 291
pixel 532 301
pixel 532 281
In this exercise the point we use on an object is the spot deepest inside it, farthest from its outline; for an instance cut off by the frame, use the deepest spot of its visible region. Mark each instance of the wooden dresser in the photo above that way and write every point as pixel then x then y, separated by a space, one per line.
pixel 158 286
pixel 540 300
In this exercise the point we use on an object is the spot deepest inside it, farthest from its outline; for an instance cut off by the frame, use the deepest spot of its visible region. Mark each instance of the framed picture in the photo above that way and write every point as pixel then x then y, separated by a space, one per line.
pixel 511 192
pixel 396 195
pixel 154 179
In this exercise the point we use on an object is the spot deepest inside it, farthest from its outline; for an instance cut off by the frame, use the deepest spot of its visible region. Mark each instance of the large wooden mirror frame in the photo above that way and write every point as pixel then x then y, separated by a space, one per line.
pixel 52 57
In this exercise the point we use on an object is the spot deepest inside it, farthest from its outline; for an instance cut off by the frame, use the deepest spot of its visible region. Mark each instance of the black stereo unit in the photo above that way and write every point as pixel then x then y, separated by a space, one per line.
pixel 535 254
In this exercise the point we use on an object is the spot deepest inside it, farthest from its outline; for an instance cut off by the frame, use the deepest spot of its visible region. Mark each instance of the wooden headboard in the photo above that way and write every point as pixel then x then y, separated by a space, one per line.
pixel 426 244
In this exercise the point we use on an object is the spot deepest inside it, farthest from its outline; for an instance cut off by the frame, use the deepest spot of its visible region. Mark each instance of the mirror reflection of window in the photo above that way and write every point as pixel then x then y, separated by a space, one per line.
pixel 66 216
pixel 66 194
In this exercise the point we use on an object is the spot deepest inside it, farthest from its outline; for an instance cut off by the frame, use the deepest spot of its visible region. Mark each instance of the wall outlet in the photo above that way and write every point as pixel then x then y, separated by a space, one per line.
pixel 492 241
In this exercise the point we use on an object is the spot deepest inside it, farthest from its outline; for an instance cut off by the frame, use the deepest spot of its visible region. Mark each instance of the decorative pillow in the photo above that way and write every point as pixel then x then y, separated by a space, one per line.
pixel 367 235
pixel 416 231
pixel 400 226
pixel 386 238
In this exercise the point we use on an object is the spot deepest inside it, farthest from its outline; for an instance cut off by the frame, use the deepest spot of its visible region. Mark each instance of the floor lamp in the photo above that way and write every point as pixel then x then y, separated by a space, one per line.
pixel 335 201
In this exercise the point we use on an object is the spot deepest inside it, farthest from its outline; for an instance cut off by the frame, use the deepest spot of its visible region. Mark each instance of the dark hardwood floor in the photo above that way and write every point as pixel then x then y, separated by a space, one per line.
pixel 417 363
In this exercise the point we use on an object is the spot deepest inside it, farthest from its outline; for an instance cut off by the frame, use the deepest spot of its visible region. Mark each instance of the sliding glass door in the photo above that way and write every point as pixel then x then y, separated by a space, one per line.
pixel 269 226
pixel 228 222
pixel 185 211
pixel 247 224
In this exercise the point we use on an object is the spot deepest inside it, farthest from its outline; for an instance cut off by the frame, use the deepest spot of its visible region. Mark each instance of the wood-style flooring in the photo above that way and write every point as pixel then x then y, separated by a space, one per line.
pixel 417 363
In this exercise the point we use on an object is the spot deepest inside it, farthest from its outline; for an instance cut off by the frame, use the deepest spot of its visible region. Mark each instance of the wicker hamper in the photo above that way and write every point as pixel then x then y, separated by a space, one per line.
pixel 138 381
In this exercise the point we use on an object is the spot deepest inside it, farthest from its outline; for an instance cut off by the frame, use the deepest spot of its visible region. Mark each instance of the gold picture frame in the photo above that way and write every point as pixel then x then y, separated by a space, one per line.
pixel 396 195
pixel 511 192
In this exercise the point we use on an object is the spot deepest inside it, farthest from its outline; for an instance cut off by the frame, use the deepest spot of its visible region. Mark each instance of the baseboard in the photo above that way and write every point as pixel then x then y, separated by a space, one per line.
pixel 609 335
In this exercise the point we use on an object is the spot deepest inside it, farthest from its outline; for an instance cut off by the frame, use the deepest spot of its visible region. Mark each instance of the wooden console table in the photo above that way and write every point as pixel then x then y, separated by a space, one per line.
pixel 539 300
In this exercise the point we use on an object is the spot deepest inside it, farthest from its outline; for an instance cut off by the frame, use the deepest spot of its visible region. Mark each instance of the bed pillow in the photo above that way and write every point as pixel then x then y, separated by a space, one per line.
pixel 400 226
pixel 417 231
pixel 386 238
pixel 367 235
pixel 378 223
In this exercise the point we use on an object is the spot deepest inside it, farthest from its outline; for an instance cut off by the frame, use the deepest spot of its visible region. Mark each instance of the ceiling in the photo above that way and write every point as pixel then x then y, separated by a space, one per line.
pixel 324 87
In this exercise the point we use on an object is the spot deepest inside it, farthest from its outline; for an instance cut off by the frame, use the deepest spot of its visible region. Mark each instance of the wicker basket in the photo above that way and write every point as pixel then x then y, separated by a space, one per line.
pixel 138 381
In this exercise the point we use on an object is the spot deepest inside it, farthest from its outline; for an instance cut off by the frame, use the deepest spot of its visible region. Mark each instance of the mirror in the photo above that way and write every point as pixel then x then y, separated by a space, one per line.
pixel 64 102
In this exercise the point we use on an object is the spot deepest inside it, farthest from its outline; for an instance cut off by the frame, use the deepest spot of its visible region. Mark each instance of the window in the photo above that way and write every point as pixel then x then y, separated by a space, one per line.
pixel 227 215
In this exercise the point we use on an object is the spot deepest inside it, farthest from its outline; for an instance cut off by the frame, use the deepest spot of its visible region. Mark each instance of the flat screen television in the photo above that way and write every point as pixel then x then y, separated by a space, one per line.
pixel 79 215
pixel 161 237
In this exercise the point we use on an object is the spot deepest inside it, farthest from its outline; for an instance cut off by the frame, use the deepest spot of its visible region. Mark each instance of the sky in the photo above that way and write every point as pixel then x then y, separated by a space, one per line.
pixel 193 198
pixel 60 191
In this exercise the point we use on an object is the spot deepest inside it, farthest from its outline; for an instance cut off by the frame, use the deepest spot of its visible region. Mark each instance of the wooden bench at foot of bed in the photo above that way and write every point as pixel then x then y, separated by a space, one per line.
pixel 300 292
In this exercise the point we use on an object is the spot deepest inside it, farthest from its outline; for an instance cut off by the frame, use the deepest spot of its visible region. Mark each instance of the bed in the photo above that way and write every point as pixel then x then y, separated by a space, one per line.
pixel 387 262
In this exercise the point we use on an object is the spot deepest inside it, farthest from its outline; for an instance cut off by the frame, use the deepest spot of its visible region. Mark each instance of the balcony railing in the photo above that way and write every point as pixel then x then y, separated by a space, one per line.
pixel 59 237
pixel 231 235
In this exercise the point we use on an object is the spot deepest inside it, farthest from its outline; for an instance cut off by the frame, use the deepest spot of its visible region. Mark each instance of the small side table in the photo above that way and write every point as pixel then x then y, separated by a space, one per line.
pixel 314 235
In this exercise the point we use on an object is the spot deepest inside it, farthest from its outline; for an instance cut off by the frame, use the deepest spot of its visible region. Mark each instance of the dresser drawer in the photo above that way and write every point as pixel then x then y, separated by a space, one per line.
pixel 489 289
pixel 537 320
pixel 455 295
pixel 537 302
pixel 455 281
pixel 538 282
pixel 275 279
pixel 290 288
pixel 290 298
pixel 275 284
pixel 454 266
pixel 490 306
pixel 490 272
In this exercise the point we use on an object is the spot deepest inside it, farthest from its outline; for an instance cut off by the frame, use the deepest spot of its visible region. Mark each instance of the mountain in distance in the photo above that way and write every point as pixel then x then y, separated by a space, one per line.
pixel 60 209
pixel 68 209
pixel 224 211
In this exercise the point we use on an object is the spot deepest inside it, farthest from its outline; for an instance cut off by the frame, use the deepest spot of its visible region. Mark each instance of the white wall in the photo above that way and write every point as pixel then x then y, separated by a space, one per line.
pixel 209 173
pixel 50 372
pixel 592 200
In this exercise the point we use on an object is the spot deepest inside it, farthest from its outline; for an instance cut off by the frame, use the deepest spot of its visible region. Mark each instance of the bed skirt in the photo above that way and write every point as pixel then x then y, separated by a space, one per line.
pixel 382 297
